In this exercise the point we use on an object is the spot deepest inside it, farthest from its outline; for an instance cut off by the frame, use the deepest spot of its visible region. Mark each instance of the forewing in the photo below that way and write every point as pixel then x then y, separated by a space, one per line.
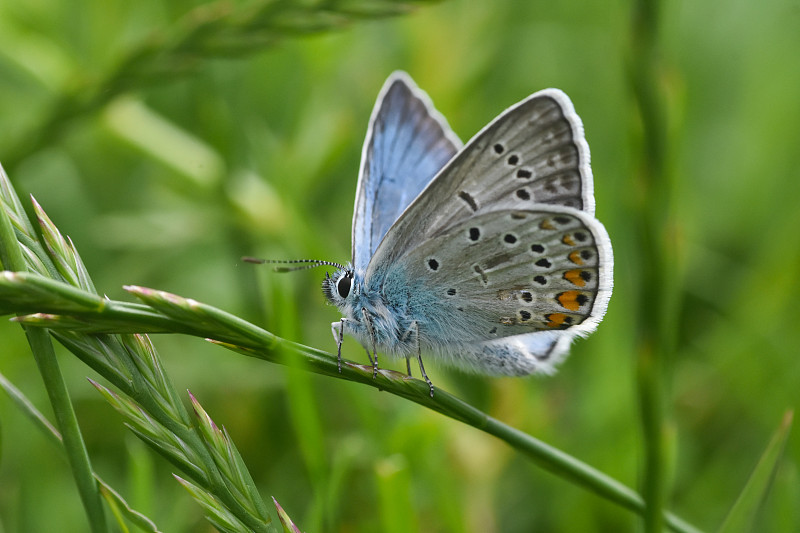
pixel 407 143
pixel 513 272
pixel 533 153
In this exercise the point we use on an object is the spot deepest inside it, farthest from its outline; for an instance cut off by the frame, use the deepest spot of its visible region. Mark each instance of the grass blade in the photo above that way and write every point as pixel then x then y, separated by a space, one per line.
pixel 742 515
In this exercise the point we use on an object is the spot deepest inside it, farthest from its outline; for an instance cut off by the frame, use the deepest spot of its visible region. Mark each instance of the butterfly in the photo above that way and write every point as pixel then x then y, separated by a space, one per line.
pixel 484 256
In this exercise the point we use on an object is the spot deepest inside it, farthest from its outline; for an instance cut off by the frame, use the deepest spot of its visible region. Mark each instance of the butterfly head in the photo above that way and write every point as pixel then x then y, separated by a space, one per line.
pixel 338 287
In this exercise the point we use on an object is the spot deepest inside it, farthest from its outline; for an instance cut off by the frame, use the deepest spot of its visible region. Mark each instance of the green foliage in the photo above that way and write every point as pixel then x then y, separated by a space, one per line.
pixel 170 139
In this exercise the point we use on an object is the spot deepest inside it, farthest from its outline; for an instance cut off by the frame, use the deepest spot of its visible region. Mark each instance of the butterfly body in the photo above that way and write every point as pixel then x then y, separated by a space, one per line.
pixel 485 256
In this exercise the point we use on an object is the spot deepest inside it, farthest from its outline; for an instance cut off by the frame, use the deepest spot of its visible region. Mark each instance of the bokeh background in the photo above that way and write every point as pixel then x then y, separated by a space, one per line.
pixel 170 182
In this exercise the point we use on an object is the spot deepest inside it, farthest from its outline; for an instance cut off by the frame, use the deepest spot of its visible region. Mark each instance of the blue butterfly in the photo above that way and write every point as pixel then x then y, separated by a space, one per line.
pixel 485 256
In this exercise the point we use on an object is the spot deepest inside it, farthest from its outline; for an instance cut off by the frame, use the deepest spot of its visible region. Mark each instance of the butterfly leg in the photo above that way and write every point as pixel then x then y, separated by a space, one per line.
pixel 404 338
pixel 369 355
pixel 419 359
pixel 339 338
pixel 374 361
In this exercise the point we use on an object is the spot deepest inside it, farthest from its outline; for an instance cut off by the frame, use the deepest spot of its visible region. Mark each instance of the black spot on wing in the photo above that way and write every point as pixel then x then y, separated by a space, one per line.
pixel 524 173
pixel 470 201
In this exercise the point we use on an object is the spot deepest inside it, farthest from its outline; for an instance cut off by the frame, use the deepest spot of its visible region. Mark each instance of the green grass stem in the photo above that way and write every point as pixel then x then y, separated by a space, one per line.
pixel 190 316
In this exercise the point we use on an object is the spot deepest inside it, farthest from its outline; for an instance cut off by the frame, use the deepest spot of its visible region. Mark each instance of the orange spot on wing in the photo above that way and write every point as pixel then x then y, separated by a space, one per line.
pixel 569 300
pixel 567 239
pixel 574 277
pixel 575 257
pixel 546 224
pixel 556 320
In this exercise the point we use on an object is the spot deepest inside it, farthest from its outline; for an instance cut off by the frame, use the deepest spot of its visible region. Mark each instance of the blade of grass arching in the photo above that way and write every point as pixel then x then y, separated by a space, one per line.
pixel 741 517
pixel 119 506
pixel 206 321
pixel 45 357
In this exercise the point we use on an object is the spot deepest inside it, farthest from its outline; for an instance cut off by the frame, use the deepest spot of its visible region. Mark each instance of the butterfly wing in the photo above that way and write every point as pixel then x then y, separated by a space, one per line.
pixel 506 290
pixel 533 153
pixel 407 143
pixel 499 260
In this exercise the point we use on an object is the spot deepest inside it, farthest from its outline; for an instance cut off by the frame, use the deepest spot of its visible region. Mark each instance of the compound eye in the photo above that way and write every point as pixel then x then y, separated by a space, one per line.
pixel 343 285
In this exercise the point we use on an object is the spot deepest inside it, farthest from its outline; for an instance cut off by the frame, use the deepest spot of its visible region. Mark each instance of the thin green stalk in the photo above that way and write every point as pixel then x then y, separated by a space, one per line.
pixel 655 306
pixel 42 348
pixel 238 335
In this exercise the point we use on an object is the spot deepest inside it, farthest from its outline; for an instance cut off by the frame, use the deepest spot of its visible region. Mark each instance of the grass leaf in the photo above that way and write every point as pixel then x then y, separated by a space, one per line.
pixel 742 515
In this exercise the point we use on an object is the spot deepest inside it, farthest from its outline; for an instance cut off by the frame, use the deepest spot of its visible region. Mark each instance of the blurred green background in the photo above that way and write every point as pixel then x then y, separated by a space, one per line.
pixel 169 183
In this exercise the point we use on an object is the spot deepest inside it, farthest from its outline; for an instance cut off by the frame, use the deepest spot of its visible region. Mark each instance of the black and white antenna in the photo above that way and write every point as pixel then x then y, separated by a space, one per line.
pixel 307 263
